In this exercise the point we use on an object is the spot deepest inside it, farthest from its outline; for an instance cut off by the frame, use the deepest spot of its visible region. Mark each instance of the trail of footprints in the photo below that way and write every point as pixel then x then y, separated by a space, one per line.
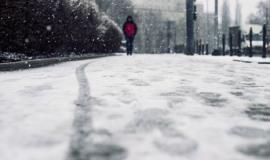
pixel 256 112
pixel 172 142
pixel 212 99
pixel 261 150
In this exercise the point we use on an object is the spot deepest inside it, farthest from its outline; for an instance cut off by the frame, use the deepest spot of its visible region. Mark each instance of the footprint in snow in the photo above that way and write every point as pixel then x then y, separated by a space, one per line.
pixel 257 150
pixel 138 82
pixel 250 132
pixel 101 147
pixel 175 143
pixel 229 82
pixel 126 97
pixel 36 90
pixel 212 99
pixel 148 120
pixel 260 112
pixel 237 94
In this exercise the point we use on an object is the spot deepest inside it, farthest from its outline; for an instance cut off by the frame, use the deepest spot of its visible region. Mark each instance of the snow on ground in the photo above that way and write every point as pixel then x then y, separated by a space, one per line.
pixel 36 112
pixel 143 107
pixel 252 59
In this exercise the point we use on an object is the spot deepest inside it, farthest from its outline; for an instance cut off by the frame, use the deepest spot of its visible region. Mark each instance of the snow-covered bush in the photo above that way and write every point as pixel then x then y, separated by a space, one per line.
pixel 108 40
pixel 47 26
pixel 118 10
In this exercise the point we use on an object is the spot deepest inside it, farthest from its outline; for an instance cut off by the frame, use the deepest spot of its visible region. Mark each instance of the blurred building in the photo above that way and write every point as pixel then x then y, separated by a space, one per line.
pixel 161 25
pixel 204 27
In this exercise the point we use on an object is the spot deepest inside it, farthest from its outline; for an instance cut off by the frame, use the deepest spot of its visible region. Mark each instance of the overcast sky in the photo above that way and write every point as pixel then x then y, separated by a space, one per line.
pixel 248 6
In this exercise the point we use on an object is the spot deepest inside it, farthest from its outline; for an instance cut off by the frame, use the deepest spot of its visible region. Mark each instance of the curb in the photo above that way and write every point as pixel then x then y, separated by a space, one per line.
pixel 242 61
pixel 263 62
pixel 5 67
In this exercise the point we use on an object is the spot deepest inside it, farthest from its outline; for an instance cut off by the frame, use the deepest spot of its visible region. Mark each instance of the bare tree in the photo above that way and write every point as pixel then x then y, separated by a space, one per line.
pixel 118 10
pixel 238 14
pixel 259 17
pixel 226 17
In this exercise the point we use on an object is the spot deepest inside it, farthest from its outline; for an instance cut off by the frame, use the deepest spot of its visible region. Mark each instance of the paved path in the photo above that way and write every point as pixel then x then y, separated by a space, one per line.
pixel 160 107
pixel 177 107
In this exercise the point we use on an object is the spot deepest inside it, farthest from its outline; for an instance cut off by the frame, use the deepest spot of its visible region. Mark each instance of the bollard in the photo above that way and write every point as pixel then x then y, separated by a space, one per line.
pixel 197 46
pixel 250 42
pixel 223 44
pixel 207 49
pixel 200 46
pixel 230 43
pixel 203 49
pixel 264 41
pixel 239 43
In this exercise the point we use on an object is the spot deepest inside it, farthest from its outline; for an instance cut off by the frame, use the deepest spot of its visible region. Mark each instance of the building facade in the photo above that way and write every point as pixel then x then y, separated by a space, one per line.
pixel 161 25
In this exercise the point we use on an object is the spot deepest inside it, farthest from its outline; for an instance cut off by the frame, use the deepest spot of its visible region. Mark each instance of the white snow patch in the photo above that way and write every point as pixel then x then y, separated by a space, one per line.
pixel 157 107
pixel 36 112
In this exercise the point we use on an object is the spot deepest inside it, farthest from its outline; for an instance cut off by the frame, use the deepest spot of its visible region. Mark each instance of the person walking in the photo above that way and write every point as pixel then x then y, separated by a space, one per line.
pixel 130 31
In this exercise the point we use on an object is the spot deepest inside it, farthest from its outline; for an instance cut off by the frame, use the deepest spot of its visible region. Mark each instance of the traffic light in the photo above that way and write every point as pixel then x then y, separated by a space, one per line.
pixel 195 13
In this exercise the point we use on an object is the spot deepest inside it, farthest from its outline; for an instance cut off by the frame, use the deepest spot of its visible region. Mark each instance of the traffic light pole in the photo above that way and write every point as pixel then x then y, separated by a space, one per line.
pixel 169 37
pixel 216 25
pixel 190 49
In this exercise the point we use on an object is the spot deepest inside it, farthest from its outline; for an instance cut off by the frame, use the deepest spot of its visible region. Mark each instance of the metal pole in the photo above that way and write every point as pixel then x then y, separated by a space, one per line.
pixel 230 43
pixel 239 43
pixel 250 42
pixel 207 49
pixel 207 27
pixel 175 37
pixel 190 27
pixel 264 41
pixel 200 46
pixel 203 47
pixel 168 36
pixel 196 34
pixel 216 25
pixel 223 44
pixel 197 46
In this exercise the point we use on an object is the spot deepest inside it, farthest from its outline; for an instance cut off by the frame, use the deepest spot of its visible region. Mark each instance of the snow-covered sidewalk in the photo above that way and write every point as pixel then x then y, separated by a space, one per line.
pixel 257 60
pixel 149 107
pixel 36 112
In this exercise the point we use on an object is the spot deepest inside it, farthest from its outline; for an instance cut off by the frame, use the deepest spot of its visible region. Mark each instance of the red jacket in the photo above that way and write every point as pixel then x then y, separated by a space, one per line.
pixel 130 29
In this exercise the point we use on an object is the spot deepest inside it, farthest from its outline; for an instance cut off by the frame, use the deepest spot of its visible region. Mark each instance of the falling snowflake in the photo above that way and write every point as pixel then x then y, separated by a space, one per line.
pixel 49 28
pixel 26 40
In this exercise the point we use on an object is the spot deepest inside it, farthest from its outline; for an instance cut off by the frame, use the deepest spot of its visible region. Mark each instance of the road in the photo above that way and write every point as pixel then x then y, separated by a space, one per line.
pixel 143 107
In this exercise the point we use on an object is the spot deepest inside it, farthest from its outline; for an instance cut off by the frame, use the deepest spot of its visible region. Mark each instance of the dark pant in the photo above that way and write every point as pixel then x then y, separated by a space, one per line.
pixel 129 45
